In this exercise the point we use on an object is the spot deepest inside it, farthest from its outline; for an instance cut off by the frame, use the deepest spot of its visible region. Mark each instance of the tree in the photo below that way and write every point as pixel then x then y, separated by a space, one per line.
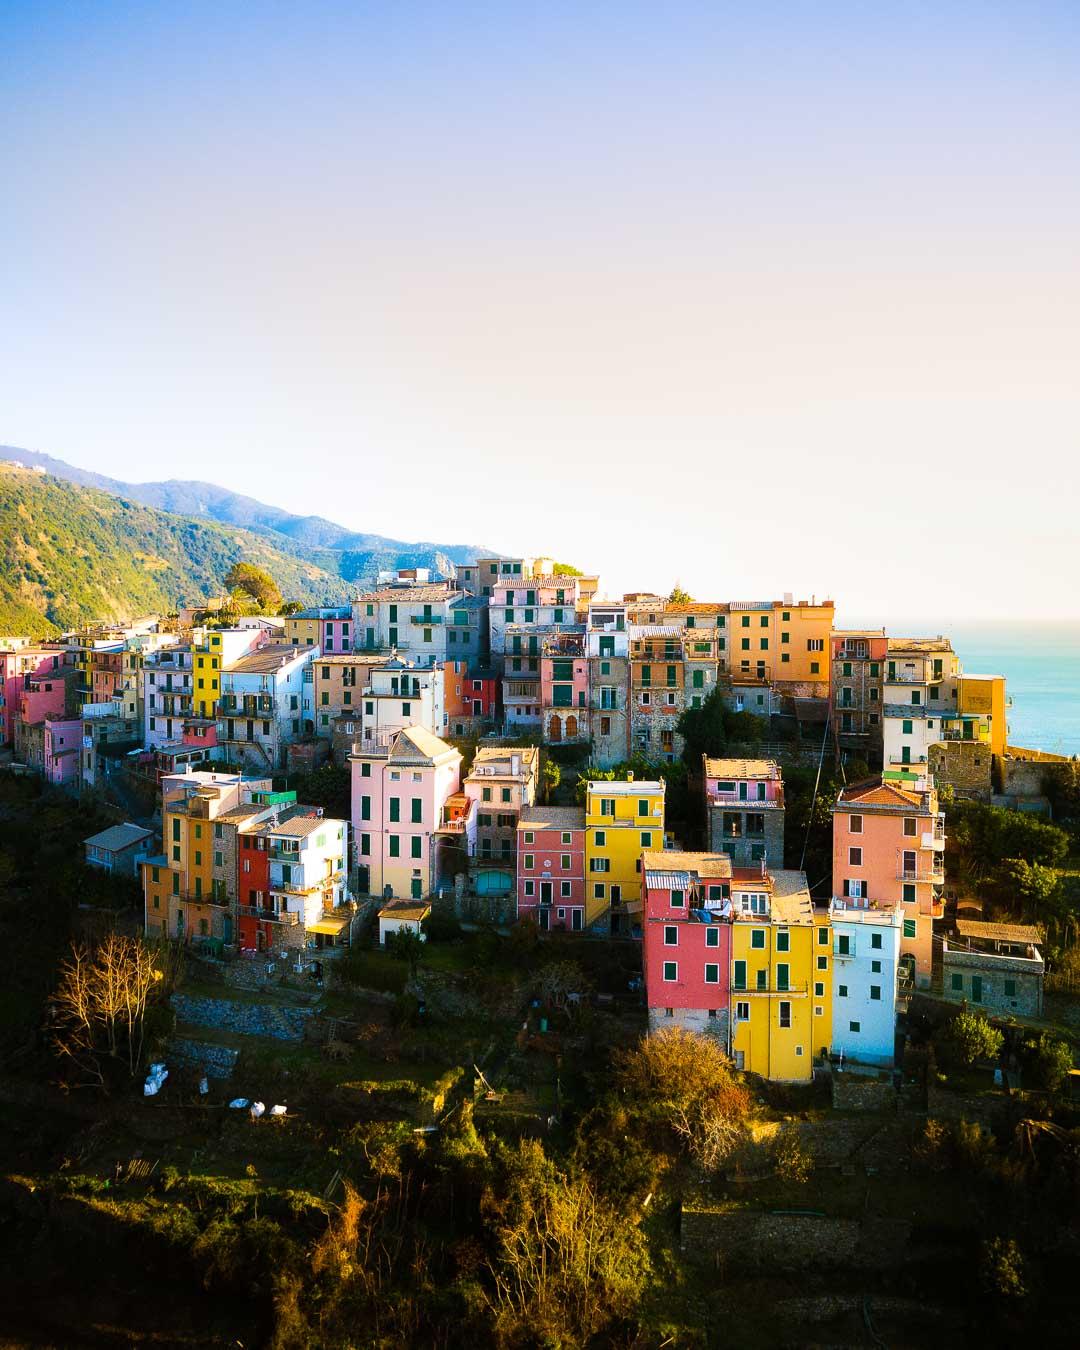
pixel 565 570
pixel 255 582
pixel 708 729
pixel 407 945
pixel 567 1264
pixel 289 608
pixel 967 1038
pixel 551 776
pixel 1048 1060
pixel 100 1005
pixel 686 1083
pixel 1032 887
pixel 678 596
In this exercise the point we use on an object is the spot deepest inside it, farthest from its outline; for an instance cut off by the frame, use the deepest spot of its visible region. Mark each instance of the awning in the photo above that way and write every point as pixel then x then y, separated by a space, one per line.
pixel 328 927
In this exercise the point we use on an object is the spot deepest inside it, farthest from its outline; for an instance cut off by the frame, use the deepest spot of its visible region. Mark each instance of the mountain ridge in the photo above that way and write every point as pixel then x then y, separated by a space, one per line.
pixel 197 498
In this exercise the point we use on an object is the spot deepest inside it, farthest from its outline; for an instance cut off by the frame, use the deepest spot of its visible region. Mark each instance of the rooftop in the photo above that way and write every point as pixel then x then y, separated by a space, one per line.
pixel 741 768
pixel 632 788
pixel 411 593
pixel 265 659
pixel 117 837
pixel 301 825
pixel 492 757
pixel 874 792
pixel 791 901
pixel 404 909
pixel 999 932
pixel 657 864
pixel 552 818
pixel 926 644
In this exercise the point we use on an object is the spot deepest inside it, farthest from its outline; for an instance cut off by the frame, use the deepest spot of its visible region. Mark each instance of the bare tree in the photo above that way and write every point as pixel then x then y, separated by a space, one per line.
pixel 99 1006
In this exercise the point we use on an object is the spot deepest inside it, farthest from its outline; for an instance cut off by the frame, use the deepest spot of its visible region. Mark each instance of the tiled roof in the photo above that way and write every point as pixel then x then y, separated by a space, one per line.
pixel 266 659
pixel 928 644
pixel 404 909
pixel 1000 932
pixel 552 818
pixel 411 595
pixel 741 768
pixel 697 864
pixel 299 826
pixel 873 792
pixel 791 901
pixel 415 744
pixel 118 836
pixel 496 754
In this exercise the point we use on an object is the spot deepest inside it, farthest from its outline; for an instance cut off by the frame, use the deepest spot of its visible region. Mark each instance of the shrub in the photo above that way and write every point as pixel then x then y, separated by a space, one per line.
pixel 1048 1060
pixel 1001 1269
pixel 967 1038
pixel 793 1161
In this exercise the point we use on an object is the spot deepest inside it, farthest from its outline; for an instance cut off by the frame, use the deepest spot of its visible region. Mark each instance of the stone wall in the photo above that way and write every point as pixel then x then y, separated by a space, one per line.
pixel 741 848
pixel 964 766
pixel 246 1019
pixel 1026 977
pixel 692 1019
pixel 794 1242
pixel 215 1061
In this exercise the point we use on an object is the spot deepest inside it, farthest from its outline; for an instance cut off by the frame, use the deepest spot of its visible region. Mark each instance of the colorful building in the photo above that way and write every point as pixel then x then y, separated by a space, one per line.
pixel 406 618
pixel 551 867
pixel 744 802
pixel 779 1001
pixel 212 652
pixel 608 654
pixel 264 705
pixel 328 628
pixel 19 662
pixel 866 974
pixel 61 747
pixel 686 932
pixel 888 845
pixel 623 820
pixel 657 692
pixel 339 685
pixel 564 686
pixel 919 692
pixel 471 698
pixel 502 782
pixel 400 694
pixel 526 607
pixel 857 678
pixel 399 793
pixel 168 694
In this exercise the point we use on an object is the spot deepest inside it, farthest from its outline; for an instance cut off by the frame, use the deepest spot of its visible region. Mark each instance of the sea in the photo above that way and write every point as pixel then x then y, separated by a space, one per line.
pixel 1041 664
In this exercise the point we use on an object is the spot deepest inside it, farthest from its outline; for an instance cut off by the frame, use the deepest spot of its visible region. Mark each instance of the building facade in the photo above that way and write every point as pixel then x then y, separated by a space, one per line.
pixel 551 867
pixel 744 802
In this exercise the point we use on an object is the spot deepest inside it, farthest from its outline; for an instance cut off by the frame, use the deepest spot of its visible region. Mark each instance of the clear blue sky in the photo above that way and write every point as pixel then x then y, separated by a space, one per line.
pixel 759 297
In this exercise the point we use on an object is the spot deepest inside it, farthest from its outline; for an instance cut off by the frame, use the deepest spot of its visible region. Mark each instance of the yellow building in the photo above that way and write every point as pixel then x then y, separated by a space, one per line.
pixel 781 641
pixel 781 995
pixel 622 820
pixel 206 675
pixel 981 702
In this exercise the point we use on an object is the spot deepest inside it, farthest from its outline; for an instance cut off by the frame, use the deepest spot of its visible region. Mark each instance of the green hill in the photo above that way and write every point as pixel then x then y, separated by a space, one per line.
pixel 69 554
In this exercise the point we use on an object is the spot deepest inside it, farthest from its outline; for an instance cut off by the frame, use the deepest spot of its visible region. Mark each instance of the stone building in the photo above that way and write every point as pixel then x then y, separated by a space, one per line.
pixel 744 801
pixel 994 966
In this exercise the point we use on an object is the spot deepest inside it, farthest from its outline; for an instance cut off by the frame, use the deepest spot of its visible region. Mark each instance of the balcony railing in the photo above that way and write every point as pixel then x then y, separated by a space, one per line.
pixel 426 621
pixel 281 916
pixel 798 990
pixel 935 873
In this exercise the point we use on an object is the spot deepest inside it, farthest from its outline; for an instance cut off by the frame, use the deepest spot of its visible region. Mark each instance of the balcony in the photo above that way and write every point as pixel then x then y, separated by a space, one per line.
pixel 844 954
pixel 426 620
pixel 772 990
pixel 933 839
pixel 935 873
pixel 268 915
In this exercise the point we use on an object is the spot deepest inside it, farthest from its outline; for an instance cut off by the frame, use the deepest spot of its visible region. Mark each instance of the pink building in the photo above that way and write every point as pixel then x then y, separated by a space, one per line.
pixel 17 665
pixel 551 866
pixel 888 845
pixel 63 746
pixel 744 802
pixel 564 687
pixel 686 913
pixel 399 796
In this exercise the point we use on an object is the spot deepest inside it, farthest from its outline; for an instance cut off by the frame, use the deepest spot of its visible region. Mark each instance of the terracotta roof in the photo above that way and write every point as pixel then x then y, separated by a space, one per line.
pixel 236 815
pixel 741 768
pixel 413 744
pixel 404 909
pixel 352 659
pixel 873 792
pixel 300 826
pixel 696 607
pixel 791 901
pixel 999 932
pixel 493 754
pixel 927 644
pixel 552 818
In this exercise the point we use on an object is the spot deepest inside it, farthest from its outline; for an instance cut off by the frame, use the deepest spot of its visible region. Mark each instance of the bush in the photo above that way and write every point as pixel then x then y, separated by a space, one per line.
pixel 967 1038
pixel 1001 1269
pixel 1048 1060
pixel 371 970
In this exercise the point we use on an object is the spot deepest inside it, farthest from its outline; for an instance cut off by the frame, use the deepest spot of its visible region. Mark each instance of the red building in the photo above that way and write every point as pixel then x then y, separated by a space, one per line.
pixel 255 911
pixel 686 930
pixel 470 699
pixel 551 866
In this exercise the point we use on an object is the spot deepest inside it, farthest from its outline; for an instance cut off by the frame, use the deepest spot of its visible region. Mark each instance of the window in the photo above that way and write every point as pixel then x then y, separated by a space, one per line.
pixel 854 857
pixel 607 806
pixel 646 839
pixel 823 937
pixel 598 890
pixel 395 809
pixel 712 974
pixel 856 1027
pixel 956 983
pixel 417 846
pixel 843 944
pixel 739 978
pixel 819 990
pixel 528 837
pixel 485 794
pixel 909 897
pixel 911 826
pixel 1010 988
pixel 909 928
pixel 855 824
pixel 757 938
pixel 783 940
pixel 671 971
pixel 841 990
pixel 528 861
pixel 677 899
pixel 785 1013
pixel 875 993
pixel 365 769
pixel 600 838
pixel 712 937
pixel 417 810
pixel 783 975
pixel 395 846
pixel 875 967
pixel 599 864
pixel 564 862
pixel 823 963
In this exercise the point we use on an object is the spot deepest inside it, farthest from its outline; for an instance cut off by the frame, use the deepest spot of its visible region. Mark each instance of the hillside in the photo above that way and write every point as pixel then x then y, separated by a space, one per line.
pixel 362 554
pixel 69 554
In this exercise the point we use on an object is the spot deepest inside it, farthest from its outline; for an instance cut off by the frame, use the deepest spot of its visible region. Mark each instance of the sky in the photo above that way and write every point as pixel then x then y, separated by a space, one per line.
pixel 756 298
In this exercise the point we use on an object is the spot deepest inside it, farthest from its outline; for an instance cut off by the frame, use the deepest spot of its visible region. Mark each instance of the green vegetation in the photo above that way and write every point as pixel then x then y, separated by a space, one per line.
pixel 256 583
pixel 966 1038
pixel 680 597
pixel 70 554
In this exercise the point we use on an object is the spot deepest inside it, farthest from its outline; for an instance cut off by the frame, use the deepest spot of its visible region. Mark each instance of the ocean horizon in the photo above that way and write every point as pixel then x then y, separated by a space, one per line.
pixel 1040 662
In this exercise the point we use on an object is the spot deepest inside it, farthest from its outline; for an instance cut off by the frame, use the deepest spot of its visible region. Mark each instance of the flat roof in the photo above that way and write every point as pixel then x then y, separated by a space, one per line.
pixel 741 768
pixel 621 788
pixel 552 818
pixel 1000 932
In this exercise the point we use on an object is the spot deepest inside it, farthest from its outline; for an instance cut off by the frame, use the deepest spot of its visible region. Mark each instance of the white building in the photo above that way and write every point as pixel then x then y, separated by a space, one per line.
pixel 308 864
pixel 265 704
pixel 919 690
pixel 866 954
pixel 167 694
pixel 405 618
pixel 401 695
